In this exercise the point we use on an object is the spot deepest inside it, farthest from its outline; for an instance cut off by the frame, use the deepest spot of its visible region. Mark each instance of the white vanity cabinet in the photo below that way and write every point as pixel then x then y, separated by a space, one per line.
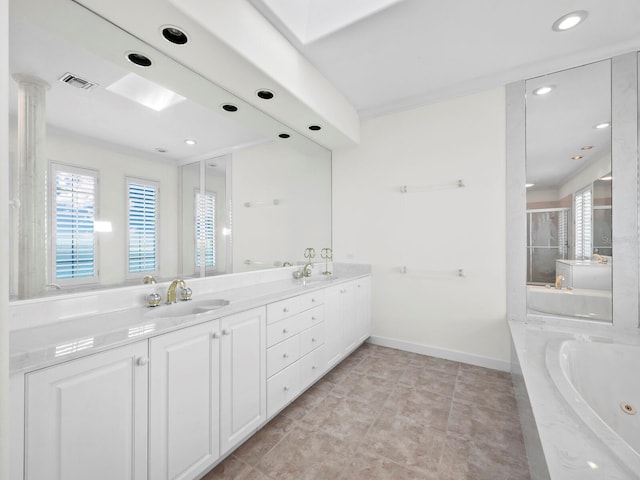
pixel 347 318
pixel 169 407
pixel 243 405
pixel 295 336
pixel 87 418
pixel 184 406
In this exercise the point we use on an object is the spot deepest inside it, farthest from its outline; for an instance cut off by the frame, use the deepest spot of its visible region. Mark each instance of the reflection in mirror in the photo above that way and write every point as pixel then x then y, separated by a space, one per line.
pixel 108 187
pixel 569 182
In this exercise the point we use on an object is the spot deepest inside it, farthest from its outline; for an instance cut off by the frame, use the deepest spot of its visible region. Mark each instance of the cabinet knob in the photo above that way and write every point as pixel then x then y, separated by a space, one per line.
pixel 284 330
pixel 313 367
pixel 285 310
pixel 215 335
pixel 285 355
pixel 142 361
pixel 342 291
pixel 286 389
pixel 313 340
pixel 313 319
pixel 313 300
pixel 226 332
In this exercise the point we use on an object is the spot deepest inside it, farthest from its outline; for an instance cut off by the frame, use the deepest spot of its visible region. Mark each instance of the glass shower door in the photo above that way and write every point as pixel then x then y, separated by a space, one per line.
pixel 547 241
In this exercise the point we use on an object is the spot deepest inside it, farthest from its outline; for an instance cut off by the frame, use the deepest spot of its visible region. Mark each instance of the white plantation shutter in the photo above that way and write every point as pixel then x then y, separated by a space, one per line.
pixel 205 226
pixel 142 221
pixel 583 212
pixel 74 211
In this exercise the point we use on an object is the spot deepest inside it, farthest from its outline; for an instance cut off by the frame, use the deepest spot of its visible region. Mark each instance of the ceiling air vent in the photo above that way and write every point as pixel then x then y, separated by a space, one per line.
pixel 75 81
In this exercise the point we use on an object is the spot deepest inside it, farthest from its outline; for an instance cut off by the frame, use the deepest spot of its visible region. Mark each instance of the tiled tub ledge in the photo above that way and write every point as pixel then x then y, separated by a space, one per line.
pixel 52 330
pixel 560 444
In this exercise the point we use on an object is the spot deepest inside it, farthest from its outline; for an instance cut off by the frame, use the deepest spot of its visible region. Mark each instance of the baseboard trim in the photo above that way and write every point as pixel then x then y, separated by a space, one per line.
pixel 440 352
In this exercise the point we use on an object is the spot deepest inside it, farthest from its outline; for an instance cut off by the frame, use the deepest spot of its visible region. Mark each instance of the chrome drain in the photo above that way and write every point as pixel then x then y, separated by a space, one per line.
pixel 628 408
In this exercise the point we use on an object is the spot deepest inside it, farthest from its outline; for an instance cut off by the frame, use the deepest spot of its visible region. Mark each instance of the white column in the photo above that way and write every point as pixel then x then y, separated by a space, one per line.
pixel 32 166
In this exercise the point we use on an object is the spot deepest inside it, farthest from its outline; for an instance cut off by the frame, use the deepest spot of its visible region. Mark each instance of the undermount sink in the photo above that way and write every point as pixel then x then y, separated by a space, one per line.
pixel 183 309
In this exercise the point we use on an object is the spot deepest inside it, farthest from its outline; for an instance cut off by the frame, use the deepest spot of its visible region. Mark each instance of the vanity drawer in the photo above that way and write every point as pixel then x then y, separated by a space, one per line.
pixel 311 338
pixel 282 388
pixel 312 366
pixel 287 328
pixel 292 306
pixel 282 355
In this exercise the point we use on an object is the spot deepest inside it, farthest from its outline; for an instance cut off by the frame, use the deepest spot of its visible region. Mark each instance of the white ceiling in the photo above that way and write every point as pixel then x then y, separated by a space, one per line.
pixel 420 51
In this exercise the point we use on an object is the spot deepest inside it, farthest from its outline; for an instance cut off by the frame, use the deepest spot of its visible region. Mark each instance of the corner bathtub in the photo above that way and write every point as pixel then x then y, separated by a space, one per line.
pixel 579 302
pixel 601 383
pixel 577 387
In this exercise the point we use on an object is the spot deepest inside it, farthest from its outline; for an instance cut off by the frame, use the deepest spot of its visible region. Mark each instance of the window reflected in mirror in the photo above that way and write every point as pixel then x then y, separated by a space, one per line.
pixel 569 193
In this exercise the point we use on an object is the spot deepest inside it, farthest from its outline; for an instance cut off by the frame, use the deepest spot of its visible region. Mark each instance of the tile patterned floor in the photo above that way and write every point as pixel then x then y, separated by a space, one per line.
pixel 387 414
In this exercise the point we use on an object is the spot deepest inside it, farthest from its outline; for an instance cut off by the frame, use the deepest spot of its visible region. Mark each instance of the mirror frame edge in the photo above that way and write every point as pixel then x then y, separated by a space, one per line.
pixel 624 155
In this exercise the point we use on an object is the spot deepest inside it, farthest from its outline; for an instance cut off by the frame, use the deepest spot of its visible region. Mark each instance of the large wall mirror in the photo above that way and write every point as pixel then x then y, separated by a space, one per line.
pixel 569 193
pixel 121 171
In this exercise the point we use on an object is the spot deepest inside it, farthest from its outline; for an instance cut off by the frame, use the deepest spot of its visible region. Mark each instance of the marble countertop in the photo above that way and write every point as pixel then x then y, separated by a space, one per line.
pixel 60 341
pixel 572 451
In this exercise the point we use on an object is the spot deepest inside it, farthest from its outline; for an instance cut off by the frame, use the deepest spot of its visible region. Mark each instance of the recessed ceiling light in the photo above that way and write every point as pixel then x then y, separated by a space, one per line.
pixel 587 147
pixel 607 178
pixel 188 141
pixel 265 94
pixel 577 157
pixel 229 107
pixel 315 128
pixel 139 59
pixel 569 21
pixel 174 35
pixel 602 125
pixel 529 185
pixel 543 90
pixel 284 135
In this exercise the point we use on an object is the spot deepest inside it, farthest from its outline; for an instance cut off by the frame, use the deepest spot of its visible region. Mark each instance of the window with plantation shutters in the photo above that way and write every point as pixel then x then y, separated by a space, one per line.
pixel 205 227
pixel 142 221
pixel 73 199
pixel 583 212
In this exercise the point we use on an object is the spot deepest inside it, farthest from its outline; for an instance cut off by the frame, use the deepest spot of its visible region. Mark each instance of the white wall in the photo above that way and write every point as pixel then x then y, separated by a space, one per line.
pixel 274 234
pixel 434 233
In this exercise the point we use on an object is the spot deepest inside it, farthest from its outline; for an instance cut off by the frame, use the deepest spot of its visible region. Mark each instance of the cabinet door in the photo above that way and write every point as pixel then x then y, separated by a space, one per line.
pixel 334 330
pixel 363 308
pixel 87 418
pixel 348 316
pixel 243 401
pixel 184 405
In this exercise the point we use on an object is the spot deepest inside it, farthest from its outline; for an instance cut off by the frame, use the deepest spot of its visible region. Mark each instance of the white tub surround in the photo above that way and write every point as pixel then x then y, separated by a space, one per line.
pixel 587 304
pixel 559 391
pixel 589 274
pixel 172 396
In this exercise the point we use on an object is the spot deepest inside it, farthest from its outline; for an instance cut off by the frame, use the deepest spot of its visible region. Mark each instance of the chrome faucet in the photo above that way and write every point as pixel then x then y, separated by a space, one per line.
pixel 171 292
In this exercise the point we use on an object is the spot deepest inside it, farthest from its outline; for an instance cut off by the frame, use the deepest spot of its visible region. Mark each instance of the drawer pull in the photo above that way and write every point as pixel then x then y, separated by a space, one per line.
pixel 285 331
pixel 215 335
pixel 286 389
pixel 313 319
pixel 285 355
pixel 142 361
pixel 226 332
pixel 285 310
pixel 313 340
pixel 313 367
pixel 342 291
pixel 313 300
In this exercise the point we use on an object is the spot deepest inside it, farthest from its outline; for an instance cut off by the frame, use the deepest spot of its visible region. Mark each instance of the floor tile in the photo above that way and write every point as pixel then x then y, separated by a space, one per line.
pixel 265 439
pixel 305 454
pixel 385 414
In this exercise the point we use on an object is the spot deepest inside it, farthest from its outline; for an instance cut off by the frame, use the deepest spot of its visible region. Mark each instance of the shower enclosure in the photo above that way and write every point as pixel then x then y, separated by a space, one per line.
pixel 547 241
